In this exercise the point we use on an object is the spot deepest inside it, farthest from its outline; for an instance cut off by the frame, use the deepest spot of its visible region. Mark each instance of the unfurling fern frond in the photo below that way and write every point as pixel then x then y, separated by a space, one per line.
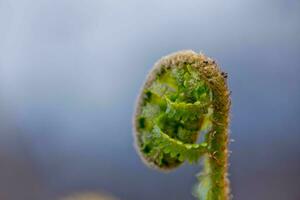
pixel 184 95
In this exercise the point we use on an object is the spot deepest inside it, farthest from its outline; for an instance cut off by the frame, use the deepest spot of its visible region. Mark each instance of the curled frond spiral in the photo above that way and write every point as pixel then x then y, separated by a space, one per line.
pixel 184 95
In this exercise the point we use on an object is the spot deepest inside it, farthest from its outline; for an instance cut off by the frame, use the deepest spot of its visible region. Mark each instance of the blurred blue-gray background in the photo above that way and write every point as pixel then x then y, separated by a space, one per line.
pixel 70 71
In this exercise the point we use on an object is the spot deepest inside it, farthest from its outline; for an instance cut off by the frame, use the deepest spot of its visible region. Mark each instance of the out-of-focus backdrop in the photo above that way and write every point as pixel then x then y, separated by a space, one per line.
pixel 70 71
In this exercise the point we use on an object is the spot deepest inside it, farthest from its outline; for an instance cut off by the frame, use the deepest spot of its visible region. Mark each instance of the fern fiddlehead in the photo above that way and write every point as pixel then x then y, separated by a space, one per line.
pixel 184 95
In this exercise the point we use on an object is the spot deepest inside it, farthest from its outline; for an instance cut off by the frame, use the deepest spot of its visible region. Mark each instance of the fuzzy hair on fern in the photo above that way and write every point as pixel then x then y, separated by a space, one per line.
pixel 185 95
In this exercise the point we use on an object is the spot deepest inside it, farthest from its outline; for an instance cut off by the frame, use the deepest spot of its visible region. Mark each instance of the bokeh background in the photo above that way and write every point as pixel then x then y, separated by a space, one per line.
pixel 70 71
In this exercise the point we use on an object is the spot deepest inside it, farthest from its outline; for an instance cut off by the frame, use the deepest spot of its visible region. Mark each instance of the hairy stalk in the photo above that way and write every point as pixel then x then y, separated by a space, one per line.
pixel 184 95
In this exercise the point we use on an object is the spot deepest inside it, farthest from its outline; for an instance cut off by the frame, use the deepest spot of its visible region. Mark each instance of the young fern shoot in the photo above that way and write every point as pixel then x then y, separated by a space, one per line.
pixel 184 95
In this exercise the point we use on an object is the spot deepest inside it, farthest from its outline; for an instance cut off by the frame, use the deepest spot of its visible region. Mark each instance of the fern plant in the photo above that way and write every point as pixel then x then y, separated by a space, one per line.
pixel 186 95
